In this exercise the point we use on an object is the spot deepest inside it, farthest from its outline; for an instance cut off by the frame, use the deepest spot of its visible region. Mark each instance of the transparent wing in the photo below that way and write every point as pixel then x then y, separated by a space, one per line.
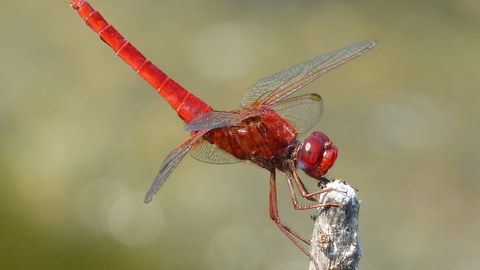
pixel 274 88
pixel 217 119
pixel 303 112
pixel 170 162
pixel 211 153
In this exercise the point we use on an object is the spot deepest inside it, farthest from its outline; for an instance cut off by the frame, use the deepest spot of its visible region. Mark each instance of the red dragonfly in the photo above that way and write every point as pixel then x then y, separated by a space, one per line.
pixel 264 130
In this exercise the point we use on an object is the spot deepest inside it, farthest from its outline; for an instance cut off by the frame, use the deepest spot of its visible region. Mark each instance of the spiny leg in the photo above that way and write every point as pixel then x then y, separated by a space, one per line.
pixel 291 173
pixel 295 202
pixel 274 215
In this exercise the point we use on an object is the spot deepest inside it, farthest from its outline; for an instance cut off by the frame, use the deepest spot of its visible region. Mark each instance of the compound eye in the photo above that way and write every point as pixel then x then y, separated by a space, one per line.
pixel 311 153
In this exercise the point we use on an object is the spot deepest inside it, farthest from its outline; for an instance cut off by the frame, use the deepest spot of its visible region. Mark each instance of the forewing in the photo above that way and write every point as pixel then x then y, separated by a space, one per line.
pixel 270 90
pixel 217 119
pixel 170 162
pixel 303 112
pixel 211 153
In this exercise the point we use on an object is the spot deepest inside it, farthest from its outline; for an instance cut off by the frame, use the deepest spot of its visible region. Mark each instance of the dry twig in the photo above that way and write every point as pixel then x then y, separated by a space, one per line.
pixel 335 241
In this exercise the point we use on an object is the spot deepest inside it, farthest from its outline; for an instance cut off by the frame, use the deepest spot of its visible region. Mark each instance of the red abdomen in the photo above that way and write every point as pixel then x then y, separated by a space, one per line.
pixel 187 105
pixel 261 139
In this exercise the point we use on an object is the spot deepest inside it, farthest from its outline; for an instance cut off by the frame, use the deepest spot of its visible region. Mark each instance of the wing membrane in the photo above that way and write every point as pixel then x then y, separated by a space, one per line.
pixel 170 162
pixel 274 88
pixel 217 119
pixel 303 112
pixel 211 153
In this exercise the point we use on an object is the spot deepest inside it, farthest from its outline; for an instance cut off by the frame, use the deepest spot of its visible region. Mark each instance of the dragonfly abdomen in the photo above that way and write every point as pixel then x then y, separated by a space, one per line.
pixel 187 105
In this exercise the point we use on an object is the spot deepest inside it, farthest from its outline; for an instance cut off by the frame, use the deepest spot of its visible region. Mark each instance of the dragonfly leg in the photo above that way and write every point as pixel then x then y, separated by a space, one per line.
pixel 274 215
pixel 292 174
pixel 302 189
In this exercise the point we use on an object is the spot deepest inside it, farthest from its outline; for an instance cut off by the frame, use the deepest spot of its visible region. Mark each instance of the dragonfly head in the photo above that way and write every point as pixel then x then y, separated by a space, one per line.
pixel 317 155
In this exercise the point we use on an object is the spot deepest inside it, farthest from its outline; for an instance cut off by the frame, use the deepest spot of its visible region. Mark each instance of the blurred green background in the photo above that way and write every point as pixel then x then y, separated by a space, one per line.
pixel 82 136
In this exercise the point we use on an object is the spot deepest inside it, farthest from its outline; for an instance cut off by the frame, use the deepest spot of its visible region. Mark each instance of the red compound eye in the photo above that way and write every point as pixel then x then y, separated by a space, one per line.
pixel 311 153
pixel 329 157
pixel 317 155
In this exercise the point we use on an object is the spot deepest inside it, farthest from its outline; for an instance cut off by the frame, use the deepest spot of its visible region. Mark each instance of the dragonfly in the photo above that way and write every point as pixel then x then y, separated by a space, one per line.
pixel 264 130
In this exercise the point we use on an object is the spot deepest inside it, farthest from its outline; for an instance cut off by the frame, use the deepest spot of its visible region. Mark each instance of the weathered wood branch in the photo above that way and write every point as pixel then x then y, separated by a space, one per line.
pixel 335 242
